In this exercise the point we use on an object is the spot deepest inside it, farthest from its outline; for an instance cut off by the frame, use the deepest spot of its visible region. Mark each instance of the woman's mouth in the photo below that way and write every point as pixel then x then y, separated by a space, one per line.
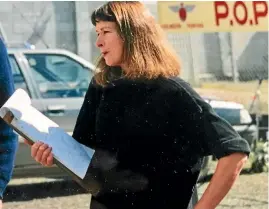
pixel 104 54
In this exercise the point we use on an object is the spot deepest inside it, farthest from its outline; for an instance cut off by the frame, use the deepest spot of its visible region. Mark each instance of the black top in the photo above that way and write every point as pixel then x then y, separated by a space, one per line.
pixel 158 128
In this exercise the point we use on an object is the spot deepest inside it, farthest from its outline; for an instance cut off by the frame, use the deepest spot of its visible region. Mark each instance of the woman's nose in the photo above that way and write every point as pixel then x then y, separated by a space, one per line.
pixel 99 42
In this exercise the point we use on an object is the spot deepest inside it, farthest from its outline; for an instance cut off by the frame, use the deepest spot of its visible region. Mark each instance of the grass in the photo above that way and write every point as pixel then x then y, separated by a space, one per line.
pixel 241 92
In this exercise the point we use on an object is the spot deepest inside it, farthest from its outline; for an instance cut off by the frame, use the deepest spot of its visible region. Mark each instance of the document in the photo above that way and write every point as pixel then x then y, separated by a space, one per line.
pixel 31 124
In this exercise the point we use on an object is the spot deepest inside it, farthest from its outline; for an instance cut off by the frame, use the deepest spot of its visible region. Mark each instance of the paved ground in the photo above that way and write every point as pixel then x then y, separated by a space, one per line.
pixel 249 192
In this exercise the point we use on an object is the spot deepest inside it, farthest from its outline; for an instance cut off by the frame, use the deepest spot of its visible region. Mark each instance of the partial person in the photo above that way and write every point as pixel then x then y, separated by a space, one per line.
pixel 155 127
pixel 8 139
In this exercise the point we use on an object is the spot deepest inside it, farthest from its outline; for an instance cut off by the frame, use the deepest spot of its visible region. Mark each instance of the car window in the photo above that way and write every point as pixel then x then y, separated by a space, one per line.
pixel 18 77
pixel 230 115
pixel 59 76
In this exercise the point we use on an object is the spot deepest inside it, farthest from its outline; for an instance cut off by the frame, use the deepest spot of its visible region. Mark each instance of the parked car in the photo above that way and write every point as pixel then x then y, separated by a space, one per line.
pixel 236 114
pixel 57 81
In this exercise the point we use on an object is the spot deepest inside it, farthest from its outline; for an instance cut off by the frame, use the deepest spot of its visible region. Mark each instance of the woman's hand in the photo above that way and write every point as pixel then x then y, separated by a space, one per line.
pixel 41 152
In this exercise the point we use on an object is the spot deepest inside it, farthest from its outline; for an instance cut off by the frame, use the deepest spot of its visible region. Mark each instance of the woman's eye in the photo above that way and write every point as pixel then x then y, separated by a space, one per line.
pixel 106 32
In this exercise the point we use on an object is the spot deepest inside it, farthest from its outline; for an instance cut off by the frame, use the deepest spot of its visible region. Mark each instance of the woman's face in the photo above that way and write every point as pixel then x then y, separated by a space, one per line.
pixel 109 42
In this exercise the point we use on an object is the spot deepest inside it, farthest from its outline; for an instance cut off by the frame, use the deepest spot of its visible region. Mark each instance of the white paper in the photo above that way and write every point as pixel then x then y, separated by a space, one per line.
pixel 75 156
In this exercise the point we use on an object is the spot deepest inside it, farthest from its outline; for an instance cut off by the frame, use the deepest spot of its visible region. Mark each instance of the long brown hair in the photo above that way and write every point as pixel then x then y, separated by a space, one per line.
pixel 147 53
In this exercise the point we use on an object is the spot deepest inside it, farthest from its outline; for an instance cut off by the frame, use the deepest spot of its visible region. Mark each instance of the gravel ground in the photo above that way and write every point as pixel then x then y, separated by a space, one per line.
pixel 249 192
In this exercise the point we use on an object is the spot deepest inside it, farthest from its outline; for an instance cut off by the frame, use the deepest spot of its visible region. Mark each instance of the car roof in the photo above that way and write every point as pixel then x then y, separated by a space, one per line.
pixel 211 98
pixel 52 51
pixel 25 50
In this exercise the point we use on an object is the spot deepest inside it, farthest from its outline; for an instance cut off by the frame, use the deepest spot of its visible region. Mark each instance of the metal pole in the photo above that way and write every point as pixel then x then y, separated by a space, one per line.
pixel 257 102
pixel 234 64
pixel 192 77
pixel 258 113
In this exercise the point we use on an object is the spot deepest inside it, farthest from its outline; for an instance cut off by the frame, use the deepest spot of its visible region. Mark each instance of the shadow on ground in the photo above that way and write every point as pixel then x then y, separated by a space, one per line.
pixel 27 192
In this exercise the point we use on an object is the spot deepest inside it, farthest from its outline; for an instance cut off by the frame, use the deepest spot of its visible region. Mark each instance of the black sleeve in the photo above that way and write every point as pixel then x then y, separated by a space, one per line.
pixel 218 137
pixel 84 131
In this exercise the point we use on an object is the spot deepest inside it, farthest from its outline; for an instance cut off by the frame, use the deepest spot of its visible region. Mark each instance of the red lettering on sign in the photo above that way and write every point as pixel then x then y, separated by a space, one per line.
pixel 171 26
pixel 195 25
pixel 258 14
pixel 220 15
pixel 239 12
pixel 240 20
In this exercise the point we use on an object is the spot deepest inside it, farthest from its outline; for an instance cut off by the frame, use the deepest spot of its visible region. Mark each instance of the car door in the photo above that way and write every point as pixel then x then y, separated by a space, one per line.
pixel 22 79
pixel 62 83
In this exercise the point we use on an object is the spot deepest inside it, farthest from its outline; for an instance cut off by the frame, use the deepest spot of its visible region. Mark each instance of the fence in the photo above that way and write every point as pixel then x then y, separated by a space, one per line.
pixel 222 56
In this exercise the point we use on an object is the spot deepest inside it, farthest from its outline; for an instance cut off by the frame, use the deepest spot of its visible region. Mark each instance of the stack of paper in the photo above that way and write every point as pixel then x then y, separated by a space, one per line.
pixel 34 126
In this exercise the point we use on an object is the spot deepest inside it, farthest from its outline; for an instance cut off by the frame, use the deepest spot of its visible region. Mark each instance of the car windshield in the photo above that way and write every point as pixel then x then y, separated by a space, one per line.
pixel 58 75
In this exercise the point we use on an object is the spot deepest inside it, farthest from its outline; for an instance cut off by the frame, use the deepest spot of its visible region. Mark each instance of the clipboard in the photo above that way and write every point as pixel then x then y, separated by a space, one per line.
pixel 20 125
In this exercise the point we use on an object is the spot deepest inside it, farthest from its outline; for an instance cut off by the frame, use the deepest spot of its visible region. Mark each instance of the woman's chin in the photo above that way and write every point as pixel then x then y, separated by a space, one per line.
pixel 110 64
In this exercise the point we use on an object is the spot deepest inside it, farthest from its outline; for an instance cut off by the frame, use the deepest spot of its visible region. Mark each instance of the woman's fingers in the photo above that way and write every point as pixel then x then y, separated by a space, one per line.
pixel 45 156
pixel 50 160
pixel 35 148
pixel 42 153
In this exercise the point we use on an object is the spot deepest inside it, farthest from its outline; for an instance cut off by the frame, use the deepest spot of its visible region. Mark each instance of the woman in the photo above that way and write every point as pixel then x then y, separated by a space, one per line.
pixel 154 124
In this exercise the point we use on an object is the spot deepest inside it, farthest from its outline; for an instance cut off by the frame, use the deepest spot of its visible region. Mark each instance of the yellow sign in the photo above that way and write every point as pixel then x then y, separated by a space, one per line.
pixel 213 16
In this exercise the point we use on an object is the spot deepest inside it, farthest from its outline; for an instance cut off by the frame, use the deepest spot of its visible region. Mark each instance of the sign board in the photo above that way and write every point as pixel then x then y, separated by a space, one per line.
pixel 213 16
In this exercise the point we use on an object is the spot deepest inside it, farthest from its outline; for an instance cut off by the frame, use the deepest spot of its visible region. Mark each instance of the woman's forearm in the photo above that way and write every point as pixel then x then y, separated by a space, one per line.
pixel 227 171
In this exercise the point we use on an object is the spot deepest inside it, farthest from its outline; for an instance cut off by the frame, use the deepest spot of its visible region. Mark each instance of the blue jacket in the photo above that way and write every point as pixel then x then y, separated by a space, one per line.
pixel 8 139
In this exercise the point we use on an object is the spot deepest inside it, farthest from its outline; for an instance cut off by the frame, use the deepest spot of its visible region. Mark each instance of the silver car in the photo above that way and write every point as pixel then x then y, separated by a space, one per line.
pixel 56 81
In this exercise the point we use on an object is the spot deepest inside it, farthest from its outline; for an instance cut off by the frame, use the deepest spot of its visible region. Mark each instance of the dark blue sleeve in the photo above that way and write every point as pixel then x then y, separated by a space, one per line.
pixel 8 140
